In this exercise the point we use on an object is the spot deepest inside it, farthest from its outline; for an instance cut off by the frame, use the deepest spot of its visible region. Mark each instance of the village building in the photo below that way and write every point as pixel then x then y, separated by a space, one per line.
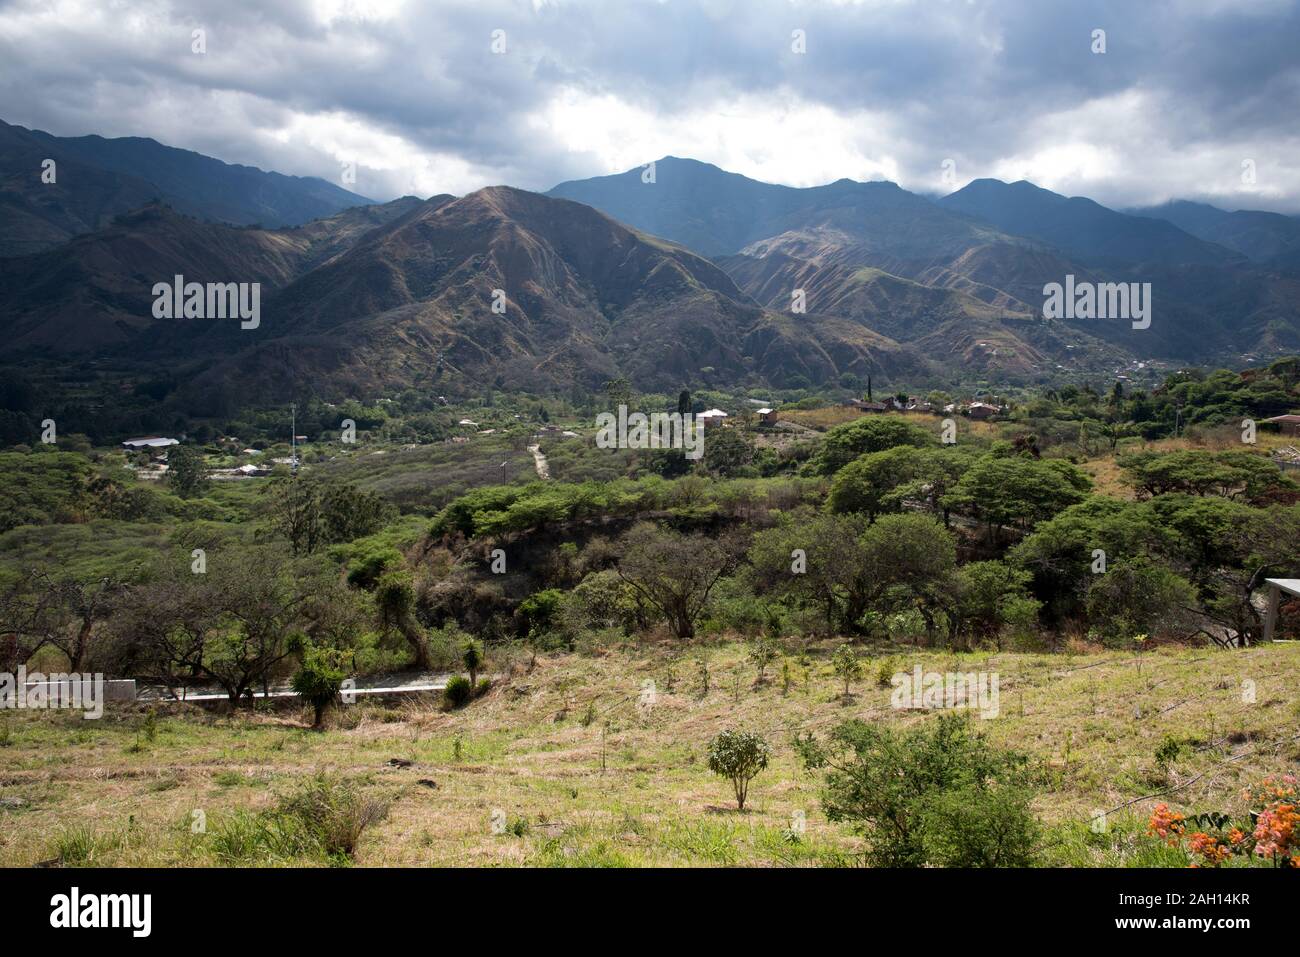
pixel 1288 424
pixel 865 406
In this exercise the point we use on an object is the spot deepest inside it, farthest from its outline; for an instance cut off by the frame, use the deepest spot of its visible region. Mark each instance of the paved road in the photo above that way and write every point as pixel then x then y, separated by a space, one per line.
pixel 427 681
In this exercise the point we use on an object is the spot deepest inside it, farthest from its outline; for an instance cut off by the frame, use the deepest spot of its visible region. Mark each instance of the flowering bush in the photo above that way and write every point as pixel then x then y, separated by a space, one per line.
pixel 1273 832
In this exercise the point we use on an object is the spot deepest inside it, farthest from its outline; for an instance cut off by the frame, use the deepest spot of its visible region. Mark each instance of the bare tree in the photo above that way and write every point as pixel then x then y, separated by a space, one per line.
pixel 40 610
pixel 673 573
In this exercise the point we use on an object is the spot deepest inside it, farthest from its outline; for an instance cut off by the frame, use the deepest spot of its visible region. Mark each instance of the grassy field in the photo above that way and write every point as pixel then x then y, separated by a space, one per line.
pixel 577 772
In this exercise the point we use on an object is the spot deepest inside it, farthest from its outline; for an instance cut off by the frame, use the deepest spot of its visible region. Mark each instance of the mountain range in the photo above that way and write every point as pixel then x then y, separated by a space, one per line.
pixel 692 276
pixel 95 179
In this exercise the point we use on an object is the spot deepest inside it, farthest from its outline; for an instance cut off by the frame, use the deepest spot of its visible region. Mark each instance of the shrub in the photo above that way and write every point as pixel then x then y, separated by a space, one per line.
pixel 365 569
pixel 980 827
pixel 601 600
pixel 936 794
pixel 846 665
pixel 1269 834
pixel 334 812
pixel 738 756
pixel 537 613
pixel 324 819
pixel 762 652
pixel 459 691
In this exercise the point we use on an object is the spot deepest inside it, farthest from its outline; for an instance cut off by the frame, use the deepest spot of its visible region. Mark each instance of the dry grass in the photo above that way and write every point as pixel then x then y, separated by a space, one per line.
pixel 1108 477
pixel 822 419
pixel 576 772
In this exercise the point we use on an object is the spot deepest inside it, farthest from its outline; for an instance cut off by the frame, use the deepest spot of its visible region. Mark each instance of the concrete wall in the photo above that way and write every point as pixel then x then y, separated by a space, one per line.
pixel 115 690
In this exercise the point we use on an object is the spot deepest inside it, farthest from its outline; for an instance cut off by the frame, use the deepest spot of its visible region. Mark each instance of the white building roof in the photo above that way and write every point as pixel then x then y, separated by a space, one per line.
pixel 151 442
pixel 712 414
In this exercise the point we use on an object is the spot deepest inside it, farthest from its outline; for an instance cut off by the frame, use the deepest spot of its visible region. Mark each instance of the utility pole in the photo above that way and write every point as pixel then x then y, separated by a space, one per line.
pixel 293 437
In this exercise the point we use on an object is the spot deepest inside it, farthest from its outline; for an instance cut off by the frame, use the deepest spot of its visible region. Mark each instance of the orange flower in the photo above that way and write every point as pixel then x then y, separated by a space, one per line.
pixel 1166 823
pixel 1276 830
pixel 1208 848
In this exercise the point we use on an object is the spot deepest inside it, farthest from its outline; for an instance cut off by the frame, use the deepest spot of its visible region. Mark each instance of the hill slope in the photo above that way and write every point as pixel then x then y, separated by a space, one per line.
pixel 633 788
pixel 1079 227
pixel 403 294
pixel 1262 236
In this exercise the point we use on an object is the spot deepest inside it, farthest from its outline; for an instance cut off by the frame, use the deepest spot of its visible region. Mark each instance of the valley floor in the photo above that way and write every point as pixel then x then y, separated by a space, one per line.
pixel 566 761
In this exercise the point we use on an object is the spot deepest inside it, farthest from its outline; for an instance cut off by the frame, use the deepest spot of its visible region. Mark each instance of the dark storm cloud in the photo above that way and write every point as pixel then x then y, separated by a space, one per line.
pixel 1184 92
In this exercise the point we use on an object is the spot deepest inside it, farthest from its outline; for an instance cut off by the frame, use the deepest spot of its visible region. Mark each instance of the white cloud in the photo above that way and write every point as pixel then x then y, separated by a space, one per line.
pixel 889 88
pixel 779 139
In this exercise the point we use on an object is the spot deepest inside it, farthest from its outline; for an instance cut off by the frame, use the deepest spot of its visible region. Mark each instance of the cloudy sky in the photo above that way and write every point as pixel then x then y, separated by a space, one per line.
pixel 1189 97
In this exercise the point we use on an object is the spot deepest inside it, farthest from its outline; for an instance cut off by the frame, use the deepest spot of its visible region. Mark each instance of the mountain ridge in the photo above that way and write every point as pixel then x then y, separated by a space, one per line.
pixel 399 295
pixel 97 178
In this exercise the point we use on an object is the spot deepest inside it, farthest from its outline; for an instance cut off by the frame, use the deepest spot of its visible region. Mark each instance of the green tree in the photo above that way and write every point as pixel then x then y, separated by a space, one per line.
pixel 348 513
pixel 395 603
pixel 818 561
pixel 186 472
pixel 1139 596
pixel 473 659
pixel 320 677
pixel 846 442
pixel 1062 552
pixel 296 512
pixel 727 452
pixel 1241 476
pixel 738 756
pixel 1016 492
pixel 993 594
pixel 861 486
pixel 538 612
pixel 909 565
